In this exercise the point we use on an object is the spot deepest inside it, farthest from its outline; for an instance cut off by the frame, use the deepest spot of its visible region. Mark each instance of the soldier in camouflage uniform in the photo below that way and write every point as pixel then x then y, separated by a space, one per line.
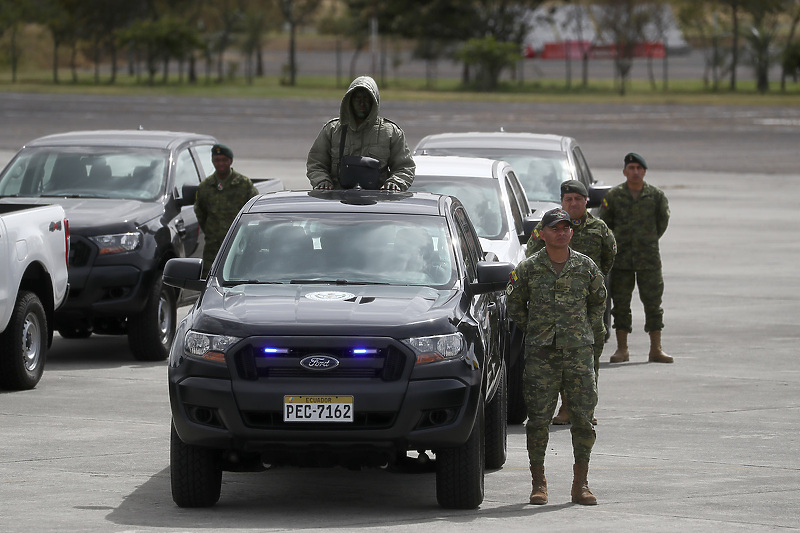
pixel 591 237
pixel 638 214
pixel 219 199
pixel 558 297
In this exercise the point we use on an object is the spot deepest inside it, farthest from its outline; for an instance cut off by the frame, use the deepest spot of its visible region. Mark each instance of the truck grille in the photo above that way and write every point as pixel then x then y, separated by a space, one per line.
pixel 385 362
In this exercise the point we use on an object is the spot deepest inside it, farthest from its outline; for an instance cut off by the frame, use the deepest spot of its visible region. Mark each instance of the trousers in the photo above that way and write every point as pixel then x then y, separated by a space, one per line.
pixel 547 371
pixel 651 289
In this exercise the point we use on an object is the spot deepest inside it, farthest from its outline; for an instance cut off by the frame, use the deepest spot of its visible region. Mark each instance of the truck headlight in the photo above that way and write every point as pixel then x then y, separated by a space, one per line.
pixel 117 243
pixel 207 346
pixel 436 347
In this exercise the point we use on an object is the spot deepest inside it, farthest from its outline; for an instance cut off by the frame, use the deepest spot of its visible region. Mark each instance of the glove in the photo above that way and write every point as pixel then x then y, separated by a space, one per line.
pixel 390 186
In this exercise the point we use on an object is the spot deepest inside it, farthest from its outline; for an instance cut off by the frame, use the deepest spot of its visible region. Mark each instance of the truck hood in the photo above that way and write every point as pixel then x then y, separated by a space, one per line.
pixel 99 216
pixel 396 311
pixel 539 208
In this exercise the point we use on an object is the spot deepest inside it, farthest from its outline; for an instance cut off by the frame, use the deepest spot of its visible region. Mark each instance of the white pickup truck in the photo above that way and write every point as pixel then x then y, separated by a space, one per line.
pixel 34 256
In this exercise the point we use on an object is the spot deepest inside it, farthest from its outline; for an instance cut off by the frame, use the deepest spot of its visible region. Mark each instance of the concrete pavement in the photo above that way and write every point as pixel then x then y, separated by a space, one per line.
pixel 709 443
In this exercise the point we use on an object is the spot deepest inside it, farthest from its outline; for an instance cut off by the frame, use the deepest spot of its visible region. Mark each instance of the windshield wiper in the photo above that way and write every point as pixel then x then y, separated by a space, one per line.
pixel 74 195
pixel 335 282
pixel 235 282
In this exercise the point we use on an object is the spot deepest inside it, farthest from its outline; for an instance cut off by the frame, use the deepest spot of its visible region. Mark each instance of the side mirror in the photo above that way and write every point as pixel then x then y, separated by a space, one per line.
pixel 188 195
pixel 184 273
pixel 492 277
pixel 597 192
pixel 528 225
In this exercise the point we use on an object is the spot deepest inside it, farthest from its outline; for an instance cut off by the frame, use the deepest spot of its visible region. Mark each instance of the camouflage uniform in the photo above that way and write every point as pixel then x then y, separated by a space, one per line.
pixel 638 224
pixel 217 204
pixel 591 237
pixel 562 315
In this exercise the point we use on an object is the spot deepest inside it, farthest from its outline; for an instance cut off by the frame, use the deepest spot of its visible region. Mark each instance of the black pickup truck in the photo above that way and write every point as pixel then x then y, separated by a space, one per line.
pixel 128 195
pixel 349 328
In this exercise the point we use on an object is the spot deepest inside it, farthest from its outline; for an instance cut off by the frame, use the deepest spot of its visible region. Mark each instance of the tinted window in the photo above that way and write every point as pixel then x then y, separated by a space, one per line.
pixel 396 250
pixel 481 198
pixel 540 172
pixel 468 240
pixel 204 160
pixel 583 167
pixel 185 171
pixel 87 172
pixel 515 209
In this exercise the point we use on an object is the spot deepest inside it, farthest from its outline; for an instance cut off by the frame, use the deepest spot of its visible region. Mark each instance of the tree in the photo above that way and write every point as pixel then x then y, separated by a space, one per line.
pixel 622 23
pixel 791 50
pixel 765 16
pixel 13 13
pixel 489 58
pixel 701 19
pixel 296 13
pixel 436 26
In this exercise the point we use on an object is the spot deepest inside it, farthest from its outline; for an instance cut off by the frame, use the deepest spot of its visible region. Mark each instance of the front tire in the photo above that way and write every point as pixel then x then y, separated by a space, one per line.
pixel 195 473
pixel 459 471
pixel 23 345
pixel 496 426
pixel 150 333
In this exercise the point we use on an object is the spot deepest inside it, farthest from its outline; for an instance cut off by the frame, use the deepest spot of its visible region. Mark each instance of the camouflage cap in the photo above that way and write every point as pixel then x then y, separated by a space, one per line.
pixel 634 158
pixel 554 216
pixel 574 186
pixel 221 149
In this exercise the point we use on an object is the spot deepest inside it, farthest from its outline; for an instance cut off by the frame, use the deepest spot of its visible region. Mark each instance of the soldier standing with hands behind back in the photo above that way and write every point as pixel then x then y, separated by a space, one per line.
pixel 558 297
pixel 638 214
pixel 219 199
pixel 591 237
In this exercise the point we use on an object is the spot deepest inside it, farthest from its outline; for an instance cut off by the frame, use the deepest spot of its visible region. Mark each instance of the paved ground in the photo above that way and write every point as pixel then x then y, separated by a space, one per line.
pixel 710 443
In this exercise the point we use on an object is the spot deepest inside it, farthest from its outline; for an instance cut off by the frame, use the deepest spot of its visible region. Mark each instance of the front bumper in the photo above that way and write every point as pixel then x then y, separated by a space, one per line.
pixel 430 407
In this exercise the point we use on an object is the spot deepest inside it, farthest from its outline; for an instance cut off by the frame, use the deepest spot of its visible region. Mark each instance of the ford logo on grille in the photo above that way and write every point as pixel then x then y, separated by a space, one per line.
pixel 319 362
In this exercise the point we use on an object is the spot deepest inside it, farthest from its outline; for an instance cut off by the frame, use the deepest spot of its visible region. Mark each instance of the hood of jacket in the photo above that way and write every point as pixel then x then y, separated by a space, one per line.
pixel 346 112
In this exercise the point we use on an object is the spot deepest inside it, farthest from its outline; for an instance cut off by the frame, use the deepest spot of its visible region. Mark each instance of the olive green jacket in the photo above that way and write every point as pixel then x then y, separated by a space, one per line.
pixel 376 137
pixel 637 224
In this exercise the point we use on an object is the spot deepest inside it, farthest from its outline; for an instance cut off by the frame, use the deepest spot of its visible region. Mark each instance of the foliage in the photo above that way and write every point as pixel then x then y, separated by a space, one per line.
pixel 489 57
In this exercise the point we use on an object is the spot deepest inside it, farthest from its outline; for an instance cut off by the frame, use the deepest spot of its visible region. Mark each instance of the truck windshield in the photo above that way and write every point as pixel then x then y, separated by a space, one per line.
pixel 86 172
pixel 341 248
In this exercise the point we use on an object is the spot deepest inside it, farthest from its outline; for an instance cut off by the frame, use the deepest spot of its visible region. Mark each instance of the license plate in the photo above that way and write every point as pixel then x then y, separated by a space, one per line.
pixel 317 408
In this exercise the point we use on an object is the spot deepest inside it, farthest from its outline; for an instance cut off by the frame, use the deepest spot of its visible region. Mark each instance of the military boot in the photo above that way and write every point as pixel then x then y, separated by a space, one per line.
pixel 622 354
pixel 580 486
pixel 539 483
pixel 657 355
pixel 562 417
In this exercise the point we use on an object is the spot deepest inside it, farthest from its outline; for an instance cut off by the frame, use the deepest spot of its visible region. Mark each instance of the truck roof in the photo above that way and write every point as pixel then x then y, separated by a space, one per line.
pixel 134 138
pixel 352 201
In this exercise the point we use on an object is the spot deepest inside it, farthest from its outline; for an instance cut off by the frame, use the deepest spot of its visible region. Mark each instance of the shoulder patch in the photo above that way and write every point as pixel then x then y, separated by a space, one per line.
pixel 604 202
pixel 513 278
pixel 536 234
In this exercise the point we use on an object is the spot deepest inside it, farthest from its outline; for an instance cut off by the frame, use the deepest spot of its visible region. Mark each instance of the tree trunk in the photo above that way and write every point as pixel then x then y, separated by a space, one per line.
pixel 735 51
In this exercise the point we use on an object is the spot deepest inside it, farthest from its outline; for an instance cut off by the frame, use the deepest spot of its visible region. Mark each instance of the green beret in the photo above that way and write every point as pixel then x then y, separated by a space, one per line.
pixel 634 158
pixel 221 149
pixel 574 186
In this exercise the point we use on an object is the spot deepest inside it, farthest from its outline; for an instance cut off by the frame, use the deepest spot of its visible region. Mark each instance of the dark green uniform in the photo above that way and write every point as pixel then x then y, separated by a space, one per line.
pixel 562 315
pixel 217 204
pixel 638 224
pixel 592 238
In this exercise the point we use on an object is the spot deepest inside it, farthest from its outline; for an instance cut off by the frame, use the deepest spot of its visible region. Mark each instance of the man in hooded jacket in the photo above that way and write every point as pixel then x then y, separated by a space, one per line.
pixel 368 135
